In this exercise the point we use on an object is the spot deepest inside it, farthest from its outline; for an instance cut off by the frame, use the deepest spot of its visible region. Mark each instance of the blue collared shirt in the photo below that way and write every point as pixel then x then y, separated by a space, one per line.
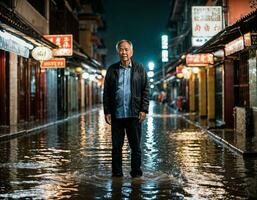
pixel 123 93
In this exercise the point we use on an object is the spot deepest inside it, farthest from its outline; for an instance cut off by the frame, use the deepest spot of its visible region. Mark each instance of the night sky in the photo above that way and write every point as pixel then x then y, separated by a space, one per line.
pixel 141 21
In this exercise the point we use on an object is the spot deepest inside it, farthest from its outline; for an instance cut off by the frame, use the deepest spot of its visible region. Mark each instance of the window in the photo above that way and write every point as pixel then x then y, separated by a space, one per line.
pixel 39 6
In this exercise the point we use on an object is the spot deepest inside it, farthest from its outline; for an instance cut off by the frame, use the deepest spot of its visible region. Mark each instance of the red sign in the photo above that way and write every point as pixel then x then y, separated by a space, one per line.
pixel 199 59
pixel 64 42
pixel 53 63
pixel 234 46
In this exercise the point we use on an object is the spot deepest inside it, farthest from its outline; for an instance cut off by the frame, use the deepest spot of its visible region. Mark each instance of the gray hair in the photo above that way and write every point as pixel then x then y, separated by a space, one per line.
pixel 121 41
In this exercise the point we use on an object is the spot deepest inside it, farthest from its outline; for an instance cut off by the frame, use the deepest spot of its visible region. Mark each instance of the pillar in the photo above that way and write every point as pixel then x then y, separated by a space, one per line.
pixel 202 93
pixel 192 93
pixel 13 89
pixel 211 93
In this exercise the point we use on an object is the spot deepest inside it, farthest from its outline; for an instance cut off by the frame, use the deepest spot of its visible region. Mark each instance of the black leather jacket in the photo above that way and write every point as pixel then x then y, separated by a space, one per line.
pixel 139 89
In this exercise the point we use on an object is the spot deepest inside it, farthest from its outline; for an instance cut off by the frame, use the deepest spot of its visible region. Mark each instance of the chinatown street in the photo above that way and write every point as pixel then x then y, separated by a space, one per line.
pixel 72 160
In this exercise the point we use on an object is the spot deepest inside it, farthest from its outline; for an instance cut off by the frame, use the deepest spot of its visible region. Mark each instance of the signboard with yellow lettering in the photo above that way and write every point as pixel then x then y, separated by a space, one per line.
pixel 53 63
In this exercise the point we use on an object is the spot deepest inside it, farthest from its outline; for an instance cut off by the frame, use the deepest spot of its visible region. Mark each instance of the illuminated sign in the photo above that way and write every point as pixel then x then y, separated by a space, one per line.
pixel 165 52
pixel 41 53
pixel 165 55
pixel 164 42
pixel 206 22
pixel 199 59
pixel 53 63
pixel 64 42
pixel 234 46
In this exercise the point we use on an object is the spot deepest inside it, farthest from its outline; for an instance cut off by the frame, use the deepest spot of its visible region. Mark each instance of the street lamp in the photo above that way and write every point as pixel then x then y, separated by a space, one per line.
pixel 151 65
pixel 150 74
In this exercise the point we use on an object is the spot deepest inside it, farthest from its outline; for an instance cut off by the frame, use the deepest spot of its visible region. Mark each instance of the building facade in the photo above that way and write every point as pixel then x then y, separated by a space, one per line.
pixel 224 89
pixel 29 92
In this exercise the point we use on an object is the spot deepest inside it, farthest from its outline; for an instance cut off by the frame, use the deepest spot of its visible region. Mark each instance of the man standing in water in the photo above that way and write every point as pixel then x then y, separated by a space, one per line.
pixel 126 102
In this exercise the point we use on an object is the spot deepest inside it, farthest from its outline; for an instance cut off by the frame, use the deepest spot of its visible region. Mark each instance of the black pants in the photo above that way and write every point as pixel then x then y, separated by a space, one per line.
pixel 132 127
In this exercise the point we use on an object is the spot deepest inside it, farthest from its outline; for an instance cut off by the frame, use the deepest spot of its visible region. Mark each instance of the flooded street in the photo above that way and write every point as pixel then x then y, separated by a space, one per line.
pixel 73 161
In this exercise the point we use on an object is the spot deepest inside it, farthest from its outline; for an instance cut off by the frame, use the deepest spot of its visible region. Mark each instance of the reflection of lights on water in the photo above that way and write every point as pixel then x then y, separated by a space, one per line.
pixel 50 182
pixel 61 185
pixel 150 143
pixel 151 107
pixel 188 147
pixel 104 132
pixel 82 132
pixel 190 154
pixel 101 122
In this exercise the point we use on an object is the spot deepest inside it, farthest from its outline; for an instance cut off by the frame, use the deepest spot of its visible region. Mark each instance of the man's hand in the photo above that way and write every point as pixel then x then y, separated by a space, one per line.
pixel 141 116
pixel 108 119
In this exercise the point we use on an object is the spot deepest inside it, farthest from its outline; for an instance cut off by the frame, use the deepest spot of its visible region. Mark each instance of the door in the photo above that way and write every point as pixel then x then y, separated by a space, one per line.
pixel 4 88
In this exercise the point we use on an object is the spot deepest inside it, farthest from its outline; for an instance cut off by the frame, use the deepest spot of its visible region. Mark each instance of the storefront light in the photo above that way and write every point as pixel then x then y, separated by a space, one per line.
pixel 186 72
pixel 78 70
pixel 195 70
pixel 85 75
pixel 91 77
pixel 180 75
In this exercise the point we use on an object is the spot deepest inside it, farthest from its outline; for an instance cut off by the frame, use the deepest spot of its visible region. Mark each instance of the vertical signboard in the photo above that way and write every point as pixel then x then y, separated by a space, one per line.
pixel 165 52
pixel 206 22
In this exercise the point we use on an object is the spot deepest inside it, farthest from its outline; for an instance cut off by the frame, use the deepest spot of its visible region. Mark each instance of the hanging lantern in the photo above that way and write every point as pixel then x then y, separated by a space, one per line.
pixel 179 72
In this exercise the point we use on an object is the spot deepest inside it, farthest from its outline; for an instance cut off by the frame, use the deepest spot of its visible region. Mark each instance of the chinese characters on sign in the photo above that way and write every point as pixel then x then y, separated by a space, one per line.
pixel 234 46
pixel 165 52
pixel 199 59
pixel 248 39
pixel 64 42
pixel 53 63
pixel 206 22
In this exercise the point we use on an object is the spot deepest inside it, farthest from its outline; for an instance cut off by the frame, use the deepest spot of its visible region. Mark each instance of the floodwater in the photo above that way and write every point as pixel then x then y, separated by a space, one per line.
pixel 73 161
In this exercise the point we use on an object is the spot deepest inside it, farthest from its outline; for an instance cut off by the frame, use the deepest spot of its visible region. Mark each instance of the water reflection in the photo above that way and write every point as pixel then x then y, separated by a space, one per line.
pixel 73 161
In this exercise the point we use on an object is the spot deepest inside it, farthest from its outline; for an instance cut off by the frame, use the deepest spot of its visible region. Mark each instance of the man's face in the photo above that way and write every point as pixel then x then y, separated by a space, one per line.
pixel 125 52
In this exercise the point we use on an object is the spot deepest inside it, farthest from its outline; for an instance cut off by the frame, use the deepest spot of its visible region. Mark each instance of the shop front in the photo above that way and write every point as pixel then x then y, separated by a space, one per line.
pixel 22 88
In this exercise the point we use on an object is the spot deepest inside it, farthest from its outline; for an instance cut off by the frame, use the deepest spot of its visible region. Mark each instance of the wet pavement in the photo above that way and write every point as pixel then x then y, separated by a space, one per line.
pixel 72 160
pixel 243 143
